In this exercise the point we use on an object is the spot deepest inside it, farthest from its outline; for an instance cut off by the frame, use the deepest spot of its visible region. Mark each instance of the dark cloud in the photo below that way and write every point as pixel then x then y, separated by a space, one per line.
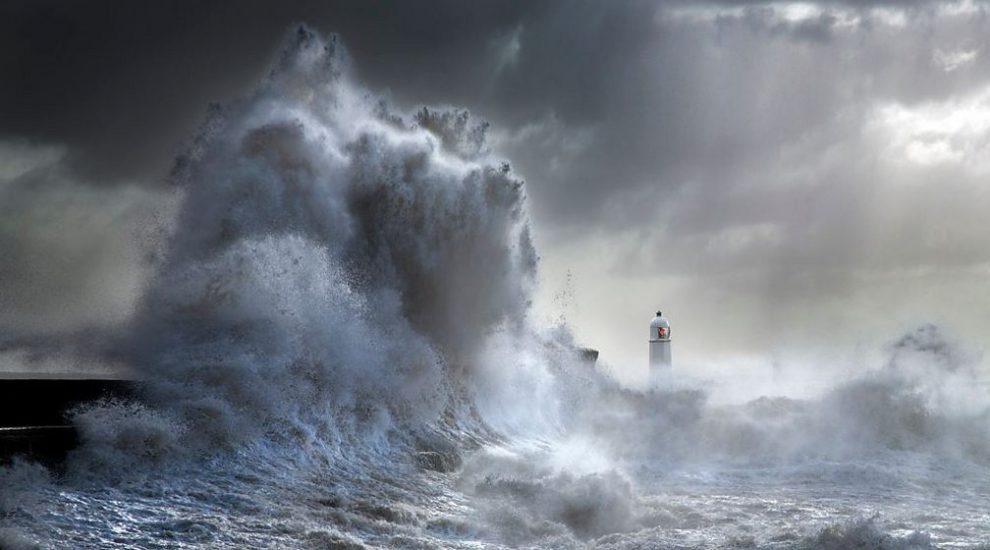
pixel 122 84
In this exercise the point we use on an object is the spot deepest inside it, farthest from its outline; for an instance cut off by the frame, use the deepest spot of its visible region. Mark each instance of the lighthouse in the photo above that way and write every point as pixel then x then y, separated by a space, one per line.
pixel 660 366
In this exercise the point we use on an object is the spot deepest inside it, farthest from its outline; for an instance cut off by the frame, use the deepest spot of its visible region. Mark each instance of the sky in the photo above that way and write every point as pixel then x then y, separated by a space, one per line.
pixel 776 177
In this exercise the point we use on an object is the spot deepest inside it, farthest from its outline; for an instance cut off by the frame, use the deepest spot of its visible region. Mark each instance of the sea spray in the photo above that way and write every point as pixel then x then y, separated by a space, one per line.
pixel 334 268
pixel 342 293
pixel 910 403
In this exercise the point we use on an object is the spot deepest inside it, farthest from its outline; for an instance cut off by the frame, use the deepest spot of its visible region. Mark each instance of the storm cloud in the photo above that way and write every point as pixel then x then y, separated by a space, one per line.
pixel 767 173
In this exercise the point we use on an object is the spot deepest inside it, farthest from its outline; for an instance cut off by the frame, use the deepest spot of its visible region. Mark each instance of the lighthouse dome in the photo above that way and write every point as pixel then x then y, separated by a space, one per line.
pixel 659 328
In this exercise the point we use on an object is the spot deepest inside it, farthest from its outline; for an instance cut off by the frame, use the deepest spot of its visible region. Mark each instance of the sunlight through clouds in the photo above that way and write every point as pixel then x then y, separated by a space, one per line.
pixel 954 131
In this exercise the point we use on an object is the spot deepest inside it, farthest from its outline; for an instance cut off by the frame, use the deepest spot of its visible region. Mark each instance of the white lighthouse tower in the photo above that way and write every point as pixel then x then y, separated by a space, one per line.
pixel 660 366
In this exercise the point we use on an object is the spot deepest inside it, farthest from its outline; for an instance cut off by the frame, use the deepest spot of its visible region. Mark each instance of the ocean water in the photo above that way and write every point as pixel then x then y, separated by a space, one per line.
pixel 335 351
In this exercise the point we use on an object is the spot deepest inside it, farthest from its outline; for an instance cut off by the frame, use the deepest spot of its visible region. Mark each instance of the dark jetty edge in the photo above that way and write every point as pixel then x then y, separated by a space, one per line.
pixel 34 421
pixel 35 409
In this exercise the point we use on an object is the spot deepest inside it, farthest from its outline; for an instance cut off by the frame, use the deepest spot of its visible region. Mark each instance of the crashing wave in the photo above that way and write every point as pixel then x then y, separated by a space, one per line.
pixel 336 273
